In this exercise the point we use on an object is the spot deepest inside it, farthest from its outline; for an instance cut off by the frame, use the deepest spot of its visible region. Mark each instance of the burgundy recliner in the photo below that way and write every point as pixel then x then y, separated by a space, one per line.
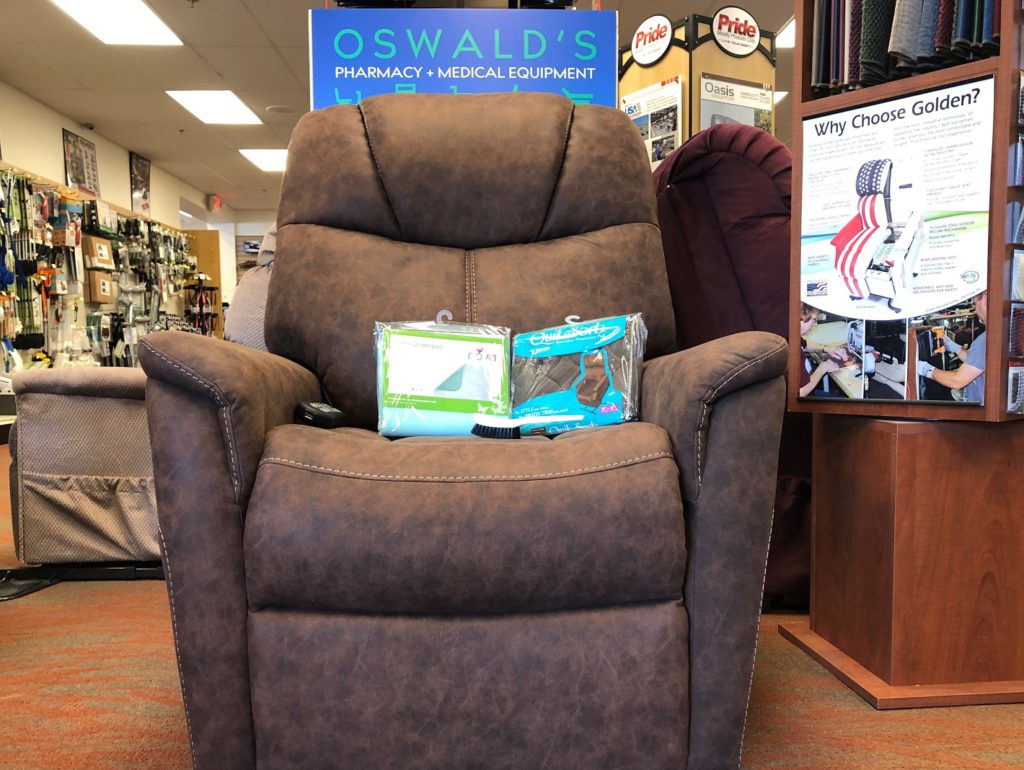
pixel 724 210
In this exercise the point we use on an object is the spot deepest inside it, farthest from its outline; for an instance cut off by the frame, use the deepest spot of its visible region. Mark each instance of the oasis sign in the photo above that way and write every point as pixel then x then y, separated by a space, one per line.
pixel 358 53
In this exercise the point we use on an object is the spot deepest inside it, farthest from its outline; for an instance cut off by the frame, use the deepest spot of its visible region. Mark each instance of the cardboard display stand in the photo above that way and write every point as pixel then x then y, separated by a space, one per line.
pixel 724 65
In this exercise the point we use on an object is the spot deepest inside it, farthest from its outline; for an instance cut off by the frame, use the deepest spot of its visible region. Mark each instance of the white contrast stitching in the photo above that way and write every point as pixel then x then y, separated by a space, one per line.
pixel 757 637
pixel 711 397
pixel 472 273
pixel 236 472
pixel 177 654
pixel 524 477
pixel 465 269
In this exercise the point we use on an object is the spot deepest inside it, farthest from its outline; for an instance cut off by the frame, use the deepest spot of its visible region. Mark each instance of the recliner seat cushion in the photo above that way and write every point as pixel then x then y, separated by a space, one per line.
pixel 464 525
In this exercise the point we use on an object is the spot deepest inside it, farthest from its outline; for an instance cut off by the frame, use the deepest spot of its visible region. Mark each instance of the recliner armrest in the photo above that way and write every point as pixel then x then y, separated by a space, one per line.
pixel 722 405
pixel 678 390
pixel 210 405
pixel 254 391
pixel 86 381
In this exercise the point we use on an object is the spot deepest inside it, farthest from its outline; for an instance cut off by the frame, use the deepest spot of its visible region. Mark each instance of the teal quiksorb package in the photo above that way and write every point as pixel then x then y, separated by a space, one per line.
pixel 434 378
pixel 579 375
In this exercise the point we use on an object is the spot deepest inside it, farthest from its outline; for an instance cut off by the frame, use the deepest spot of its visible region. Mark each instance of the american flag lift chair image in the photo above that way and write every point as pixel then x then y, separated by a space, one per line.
pixel 876 255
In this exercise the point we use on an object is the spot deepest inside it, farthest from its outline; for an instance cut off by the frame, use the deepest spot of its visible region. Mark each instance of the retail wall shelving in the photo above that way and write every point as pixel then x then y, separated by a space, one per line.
pixel 63 319
pixel 1003 67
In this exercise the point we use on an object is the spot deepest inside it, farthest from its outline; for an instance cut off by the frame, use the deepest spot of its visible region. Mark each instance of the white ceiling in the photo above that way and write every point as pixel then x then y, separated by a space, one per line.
pixel 256 48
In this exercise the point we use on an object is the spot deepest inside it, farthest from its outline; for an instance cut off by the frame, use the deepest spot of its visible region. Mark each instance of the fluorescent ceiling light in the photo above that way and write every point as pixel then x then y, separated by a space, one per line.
pixel 266 160
pixel 780 95
pixel 220 107
pixel 787 35
pixel 119 22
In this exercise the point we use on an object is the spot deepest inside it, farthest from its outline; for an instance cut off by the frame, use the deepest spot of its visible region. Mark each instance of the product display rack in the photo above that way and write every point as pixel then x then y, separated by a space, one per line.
pixel 917 597
pixel 150 265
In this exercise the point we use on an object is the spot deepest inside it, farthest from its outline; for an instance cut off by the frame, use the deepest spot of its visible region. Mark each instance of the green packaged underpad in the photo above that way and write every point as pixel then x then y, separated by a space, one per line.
pixel 579 375
pixel 434 378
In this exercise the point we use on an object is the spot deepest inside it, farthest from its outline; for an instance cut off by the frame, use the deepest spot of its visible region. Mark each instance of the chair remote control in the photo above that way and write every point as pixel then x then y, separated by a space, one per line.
pixel 319 415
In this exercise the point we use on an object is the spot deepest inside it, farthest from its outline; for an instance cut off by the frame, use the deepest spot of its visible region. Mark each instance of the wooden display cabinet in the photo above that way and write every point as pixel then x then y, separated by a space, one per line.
pixel 917 595
pixel 207 250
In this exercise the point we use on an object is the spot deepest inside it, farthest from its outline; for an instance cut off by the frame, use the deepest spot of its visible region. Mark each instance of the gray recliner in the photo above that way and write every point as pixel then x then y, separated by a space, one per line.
pixel 81 474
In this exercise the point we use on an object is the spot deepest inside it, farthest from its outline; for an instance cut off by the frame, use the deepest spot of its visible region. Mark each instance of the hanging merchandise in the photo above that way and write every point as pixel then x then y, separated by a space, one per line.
pixel 200 301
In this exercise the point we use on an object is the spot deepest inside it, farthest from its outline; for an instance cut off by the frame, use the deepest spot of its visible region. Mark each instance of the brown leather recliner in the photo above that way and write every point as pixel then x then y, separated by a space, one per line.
pixel 344 600
pixel 724 209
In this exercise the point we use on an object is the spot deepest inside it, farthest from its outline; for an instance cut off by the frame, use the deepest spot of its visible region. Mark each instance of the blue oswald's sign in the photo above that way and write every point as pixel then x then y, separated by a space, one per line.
pixel 357 53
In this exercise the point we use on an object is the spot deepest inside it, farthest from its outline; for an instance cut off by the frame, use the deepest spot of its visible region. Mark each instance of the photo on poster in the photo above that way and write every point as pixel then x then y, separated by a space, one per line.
pixel 1017 276
pixel 80 167
pixel 885 349
pixel 662 148
pixel 833 361
pixel 1015 387
pixel 895 219
pixel 140 179
pixel 664 121
pixel 644 124
pixel 728 100
pixel 949 353
pixel 657 112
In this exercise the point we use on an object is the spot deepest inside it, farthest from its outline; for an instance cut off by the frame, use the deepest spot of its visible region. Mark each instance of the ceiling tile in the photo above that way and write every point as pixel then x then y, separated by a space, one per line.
pixel 213 22
pixel 237 137
pixel 27 70
pixel 251 67
pixel 297 100
pixel 287 23
pixel 174 69
pixel 298 61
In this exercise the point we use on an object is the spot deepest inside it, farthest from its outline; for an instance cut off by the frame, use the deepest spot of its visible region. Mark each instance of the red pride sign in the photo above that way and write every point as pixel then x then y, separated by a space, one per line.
pixel 651 40
pixel 735 31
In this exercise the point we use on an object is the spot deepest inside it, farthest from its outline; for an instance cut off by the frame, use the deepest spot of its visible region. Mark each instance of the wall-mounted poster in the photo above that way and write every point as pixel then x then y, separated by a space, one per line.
pixel 140 170
pixel 247 252
pixel 894 247
pixel 80 167
pixel 656 111
pixel 728 100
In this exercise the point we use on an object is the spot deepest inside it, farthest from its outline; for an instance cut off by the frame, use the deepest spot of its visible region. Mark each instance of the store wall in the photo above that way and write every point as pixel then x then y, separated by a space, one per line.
pixel 254 223
pixel 31 138
pixel 227 258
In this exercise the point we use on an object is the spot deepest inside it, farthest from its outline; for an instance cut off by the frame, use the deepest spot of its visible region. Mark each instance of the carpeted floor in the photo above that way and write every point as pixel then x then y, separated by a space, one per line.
pixel 88 681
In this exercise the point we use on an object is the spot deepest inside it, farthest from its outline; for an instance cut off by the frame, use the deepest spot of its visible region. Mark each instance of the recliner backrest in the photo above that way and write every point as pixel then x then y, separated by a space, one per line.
pixel 724 206
pixel 507 209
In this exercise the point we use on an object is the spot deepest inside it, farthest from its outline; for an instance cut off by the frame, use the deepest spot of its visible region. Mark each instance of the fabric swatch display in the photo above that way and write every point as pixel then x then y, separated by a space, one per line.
pixel 906 24
pixel 944 27
pixel 856 13
pixel 857 43
pixel 963 28
pixel 822 34
pixel 925 59
pixel 876 28
pixel 988 28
